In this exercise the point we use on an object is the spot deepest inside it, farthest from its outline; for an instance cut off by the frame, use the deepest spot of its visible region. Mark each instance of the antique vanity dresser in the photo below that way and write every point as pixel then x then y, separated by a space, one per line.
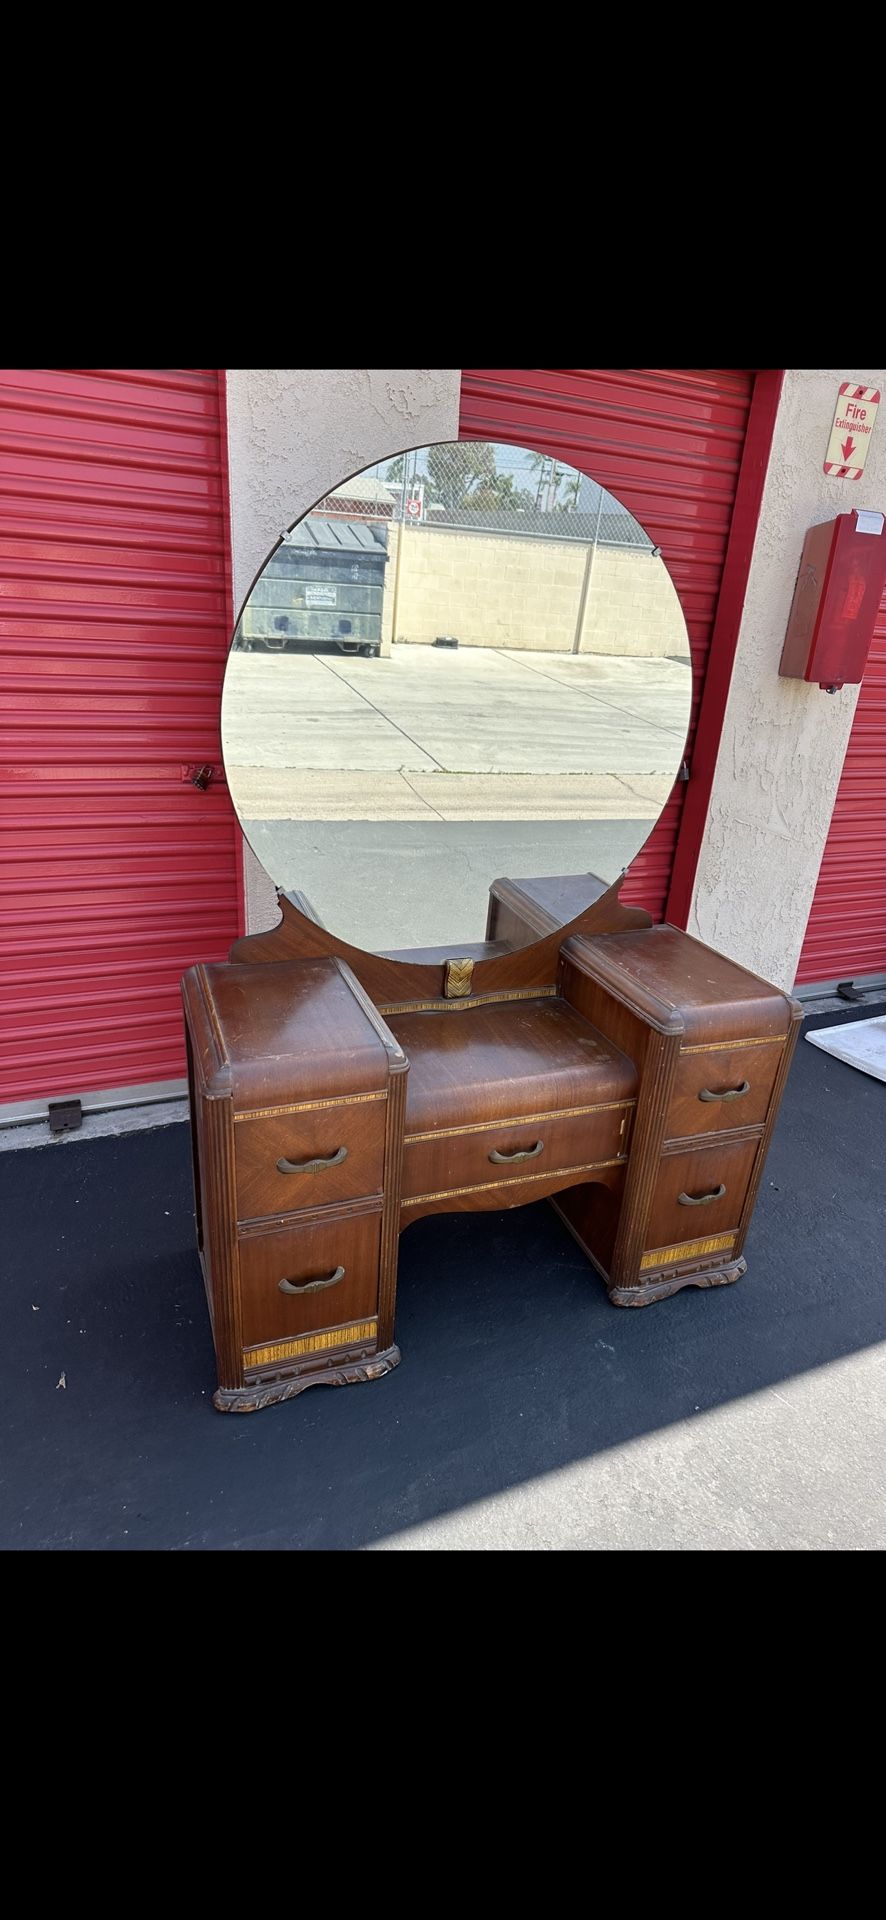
pixel 527 711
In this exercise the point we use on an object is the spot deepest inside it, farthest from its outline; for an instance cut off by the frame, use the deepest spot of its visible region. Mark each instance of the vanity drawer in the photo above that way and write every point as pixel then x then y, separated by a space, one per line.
pixel 719 1088
pixel 681 1207
pixel 336 1153
pixel 307 1257
pixel 460 1158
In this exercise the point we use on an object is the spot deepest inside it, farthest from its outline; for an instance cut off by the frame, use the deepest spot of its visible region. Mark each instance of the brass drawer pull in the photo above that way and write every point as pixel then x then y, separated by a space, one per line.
pixel 510 1159
pixel 701 1199
pixel 312 1166
pixel 312 1286
pixel 733 1093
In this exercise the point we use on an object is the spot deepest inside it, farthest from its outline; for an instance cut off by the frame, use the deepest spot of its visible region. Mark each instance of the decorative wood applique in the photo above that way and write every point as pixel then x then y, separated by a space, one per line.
pixel 457 979
pixel 690 1250
pixel 338 1338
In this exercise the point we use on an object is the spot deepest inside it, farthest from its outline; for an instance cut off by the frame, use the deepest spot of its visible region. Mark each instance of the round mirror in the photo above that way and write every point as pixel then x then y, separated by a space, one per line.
pixel 464 663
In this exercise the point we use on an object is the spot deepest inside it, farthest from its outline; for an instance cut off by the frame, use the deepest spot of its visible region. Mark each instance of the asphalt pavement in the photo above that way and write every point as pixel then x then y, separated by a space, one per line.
pixel 527 1413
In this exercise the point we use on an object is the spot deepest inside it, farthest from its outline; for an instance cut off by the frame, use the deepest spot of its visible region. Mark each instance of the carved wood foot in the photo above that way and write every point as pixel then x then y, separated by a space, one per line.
pixel 646 1294
pixel 266 1393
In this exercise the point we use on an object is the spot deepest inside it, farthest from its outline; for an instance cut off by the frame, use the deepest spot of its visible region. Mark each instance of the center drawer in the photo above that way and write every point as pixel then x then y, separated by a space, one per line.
pixel 297 1278
pixel 308 1157
pixel 459 1158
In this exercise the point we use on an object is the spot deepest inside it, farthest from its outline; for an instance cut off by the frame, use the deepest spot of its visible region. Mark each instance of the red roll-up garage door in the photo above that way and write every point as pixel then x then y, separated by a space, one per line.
pixel 846 934
pixel 116 871
pixel 668 443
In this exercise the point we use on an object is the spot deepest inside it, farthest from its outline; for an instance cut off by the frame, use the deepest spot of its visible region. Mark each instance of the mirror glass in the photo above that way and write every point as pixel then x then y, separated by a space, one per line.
pixel 466 662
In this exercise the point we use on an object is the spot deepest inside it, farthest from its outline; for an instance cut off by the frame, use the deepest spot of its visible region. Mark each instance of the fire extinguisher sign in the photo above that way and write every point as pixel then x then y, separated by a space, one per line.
pixel 854 417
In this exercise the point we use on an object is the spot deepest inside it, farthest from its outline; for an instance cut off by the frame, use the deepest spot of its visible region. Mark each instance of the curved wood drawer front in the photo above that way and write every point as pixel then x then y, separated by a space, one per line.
pixel 460 1158
pixel 697 1174
pixel 299 1138
pixel 740 1078
pixel 302 1256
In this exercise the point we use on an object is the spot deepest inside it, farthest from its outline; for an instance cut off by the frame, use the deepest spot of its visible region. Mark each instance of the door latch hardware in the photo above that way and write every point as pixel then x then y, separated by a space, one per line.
pixel 200 774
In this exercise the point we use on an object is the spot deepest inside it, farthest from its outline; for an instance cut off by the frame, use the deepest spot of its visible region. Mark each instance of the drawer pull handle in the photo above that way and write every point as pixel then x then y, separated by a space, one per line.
pixel 312 1166
pixel 312 1286
pixel 733 1093
pixel 701 1199
pixel 510 1159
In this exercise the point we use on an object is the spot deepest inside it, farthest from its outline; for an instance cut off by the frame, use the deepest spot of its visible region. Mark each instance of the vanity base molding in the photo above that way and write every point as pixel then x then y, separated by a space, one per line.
pixel 267 1393
pixel 662 1288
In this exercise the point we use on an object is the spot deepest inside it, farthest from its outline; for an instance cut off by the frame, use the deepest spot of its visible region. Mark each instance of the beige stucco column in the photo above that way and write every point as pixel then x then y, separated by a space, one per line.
pixel 783 742
pixel 293 432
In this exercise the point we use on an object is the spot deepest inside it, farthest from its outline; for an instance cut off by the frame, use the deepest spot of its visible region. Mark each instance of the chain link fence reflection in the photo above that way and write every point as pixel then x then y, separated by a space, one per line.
pixel 475 486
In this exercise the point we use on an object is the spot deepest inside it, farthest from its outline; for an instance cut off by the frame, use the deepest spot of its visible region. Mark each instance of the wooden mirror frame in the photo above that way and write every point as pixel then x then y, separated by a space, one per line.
pixel 455 977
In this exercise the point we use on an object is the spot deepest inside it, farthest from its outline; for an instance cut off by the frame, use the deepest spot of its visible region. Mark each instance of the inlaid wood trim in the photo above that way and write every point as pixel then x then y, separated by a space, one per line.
pixel 522 1180
pixel 702 1142
pixel 688 1250
pixel 464 1006
pixel 732 1046
pixel 332 1214
pixel 310 1106
pixel 518 1120
pixel 351 1336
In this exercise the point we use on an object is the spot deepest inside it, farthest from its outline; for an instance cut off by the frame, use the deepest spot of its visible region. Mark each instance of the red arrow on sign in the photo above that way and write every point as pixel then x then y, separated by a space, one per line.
pixel 847 447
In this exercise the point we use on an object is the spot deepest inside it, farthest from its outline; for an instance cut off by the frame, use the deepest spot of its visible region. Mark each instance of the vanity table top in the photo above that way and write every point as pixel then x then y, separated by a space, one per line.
pixel 286 1032
pixel 482 1061
pixel 706 992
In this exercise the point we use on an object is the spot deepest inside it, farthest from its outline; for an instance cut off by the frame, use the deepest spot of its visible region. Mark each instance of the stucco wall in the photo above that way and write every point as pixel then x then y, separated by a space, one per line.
pixel 783 742
pixel 293 432
pixel 528 593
